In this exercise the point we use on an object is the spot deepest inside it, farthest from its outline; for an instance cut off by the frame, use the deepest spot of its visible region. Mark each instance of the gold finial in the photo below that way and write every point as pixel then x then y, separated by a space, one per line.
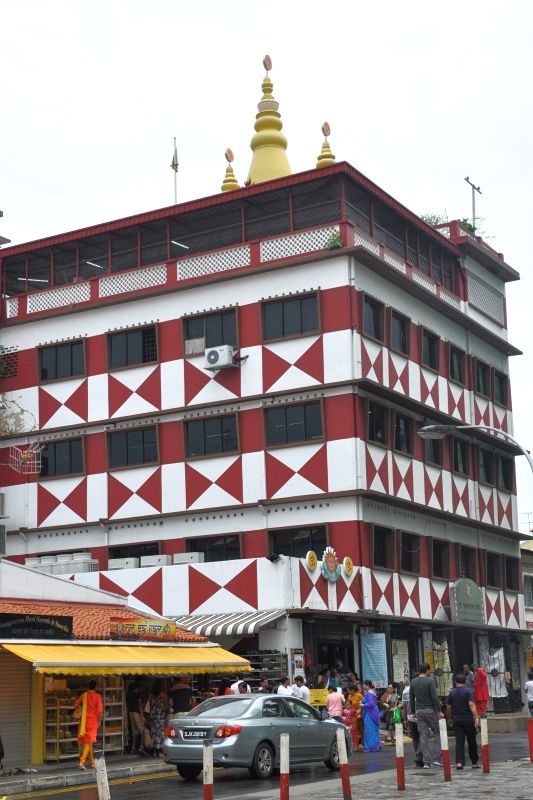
pixel 326 157
pixel 229 184
pixel 268 144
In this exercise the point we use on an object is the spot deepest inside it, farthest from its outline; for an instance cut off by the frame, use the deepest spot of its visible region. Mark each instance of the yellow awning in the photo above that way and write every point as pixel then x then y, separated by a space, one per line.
pixel 126 659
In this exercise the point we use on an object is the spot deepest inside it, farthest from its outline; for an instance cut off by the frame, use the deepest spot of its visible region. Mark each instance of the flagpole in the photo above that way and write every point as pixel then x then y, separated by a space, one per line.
pixel 175 178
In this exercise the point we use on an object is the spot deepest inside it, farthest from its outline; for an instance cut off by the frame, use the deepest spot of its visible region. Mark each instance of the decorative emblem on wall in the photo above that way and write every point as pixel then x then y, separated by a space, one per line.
pixel 347 566
pixel 331 569
pixel 311 560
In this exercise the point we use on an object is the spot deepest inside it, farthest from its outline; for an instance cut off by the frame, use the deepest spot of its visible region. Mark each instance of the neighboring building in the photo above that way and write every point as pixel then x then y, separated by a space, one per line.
pixel 341 324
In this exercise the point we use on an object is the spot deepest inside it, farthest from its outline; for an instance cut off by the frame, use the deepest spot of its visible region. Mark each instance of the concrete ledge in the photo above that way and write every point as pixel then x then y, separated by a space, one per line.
pixel 503 723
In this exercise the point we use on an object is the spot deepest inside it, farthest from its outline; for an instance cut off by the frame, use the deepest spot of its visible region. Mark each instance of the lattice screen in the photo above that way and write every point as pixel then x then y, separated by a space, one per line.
pixel 56 298
pixel 132 281
pixel 360 240
pixel 297 243
pixel 394 261
pixel 424 281
pixel 12 307
pixel 451 299
pixel 221 261
pixel 486 299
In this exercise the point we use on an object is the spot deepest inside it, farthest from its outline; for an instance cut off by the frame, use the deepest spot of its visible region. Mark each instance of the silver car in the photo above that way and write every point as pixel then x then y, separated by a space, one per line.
pixel 245 731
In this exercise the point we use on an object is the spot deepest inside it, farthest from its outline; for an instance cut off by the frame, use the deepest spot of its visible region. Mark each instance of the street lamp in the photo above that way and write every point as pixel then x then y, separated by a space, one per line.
pixel 440 431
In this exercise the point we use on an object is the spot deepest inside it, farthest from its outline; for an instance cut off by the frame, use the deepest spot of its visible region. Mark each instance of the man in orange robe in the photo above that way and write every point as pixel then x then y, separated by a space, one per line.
pixel 92 710
pixel 481 689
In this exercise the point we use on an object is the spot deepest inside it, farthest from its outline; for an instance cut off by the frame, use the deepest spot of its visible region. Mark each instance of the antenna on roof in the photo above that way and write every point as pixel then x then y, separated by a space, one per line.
pixel 474 190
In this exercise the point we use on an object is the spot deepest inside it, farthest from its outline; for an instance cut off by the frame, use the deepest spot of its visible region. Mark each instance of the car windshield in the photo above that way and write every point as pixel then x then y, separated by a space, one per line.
pixel 219 707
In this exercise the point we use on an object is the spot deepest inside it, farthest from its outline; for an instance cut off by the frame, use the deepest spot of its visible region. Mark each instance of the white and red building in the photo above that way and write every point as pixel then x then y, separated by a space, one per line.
pixel 344 323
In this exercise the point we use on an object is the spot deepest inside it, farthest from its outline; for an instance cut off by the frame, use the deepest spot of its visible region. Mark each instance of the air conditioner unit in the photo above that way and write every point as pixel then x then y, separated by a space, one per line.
pixel 218 357
pixel 188 558
pixel 123 563
pixel 156 561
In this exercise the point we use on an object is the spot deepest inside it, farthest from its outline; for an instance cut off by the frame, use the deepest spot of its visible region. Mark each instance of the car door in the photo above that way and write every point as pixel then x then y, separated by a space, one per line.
pixel 277 720
pixel 308 731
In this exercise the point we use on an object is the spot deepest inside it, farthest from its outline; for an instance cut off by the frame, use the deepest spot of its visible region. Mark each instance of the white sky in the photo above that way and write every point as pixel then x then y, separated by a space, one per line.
pixel 418 95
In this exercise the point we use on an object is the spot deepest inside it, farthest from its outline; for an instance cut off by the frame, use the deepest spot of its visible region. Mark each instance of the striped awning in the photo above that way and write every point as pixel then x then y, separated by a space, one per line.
pixel 241 624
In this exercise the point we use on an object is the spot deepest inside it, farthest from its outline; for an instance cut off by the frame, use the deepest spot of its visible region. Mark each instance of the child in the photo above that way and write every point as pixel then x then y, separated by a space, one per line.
pixel 349 714
pixel 396 717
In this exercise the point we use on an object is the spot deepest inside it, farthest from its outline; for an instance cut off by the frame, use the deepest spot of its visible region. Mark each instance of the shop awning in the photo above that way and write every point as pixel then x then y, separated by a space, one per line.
pixel 126 659
pixel 241 624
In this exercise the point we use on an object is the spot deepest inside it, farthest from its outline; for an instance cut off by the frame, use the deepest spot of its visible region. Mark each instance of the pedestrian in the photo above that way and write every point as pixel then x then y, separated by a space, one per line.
pixel 529 689
pixel 349 714
pixel 387 701
pixel 135 717
pixel 243 688
pixel 264 686
pixel 235 686
pixel 481 690
pixel 158 709
pixel 460 708
pixel 300 689
pixel 425 706
pixel 334 704
pixel 371 718
pixel 284 687
pixel 180 697
pixel 224 687
pixel 90 718
pixel 412 727
pixel 469 676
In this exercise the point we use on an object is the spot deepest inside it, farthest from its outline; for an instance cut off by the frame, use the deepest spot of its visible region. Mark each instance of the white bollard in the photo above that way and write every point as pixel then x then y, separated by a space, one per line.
pixel 485 758
pixel 445 750
pixel 208 770
pixel 400 759
pixel 102 784
pixel 343 761
pixel 284 766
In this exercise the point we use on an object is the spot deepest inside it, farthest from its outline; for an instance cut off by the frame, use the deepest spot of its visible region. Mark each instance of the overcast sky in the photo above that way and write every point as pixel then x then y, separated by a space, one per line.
pixel 418 95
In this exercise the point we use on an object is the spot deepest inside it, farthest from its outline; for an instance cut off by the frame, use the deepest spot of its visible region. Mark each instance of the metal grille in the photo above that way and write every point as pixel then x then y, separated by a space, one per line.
pixel 360 240
pixel 12 307
pixel 9 362
pixel 394 261
pixel 132 281
pixel 358 217
pixel 390 240
pixel 297 243
pixel 451 299
pixel 316 214
pixel 56 298
pixel 486 299
pixel 213 262
pixel 427 283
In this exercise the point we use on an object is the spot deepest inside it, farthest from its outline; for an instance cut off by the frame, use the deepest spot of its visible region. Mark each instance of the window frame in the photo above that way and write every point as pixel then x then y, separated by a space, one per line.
pixel 466 445
pixel 516 565
pixel 126 430
pixel 286 299
pixel 411 433
pixel 445 544
pixel 202 315
pixel 430 443
pixel 199 539
pixel 478 363
pixel 528 595
pixel 393 313
pixel 497 375
pixel 391 548
pixel 59 441
pixel 204 419
pixel 402 535
pixel 295 529
pixel 451 349
pixel 499 460
pixel 82 341
pixel 127 331
pixel 426 332
pixel 498 584
pixel 471 553
pixel 386 426
pixel 281 406
pixel 368 299
pixel 491 480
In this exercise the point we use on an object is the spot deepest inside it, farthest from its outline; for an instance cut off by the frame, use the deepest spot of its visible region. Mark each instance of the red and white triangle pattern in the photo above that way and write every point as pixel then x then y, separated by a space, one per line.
pixel 402 477
pixel 63 403
pixel 205 386
pixel 398 374
pixel 134 391
pixel 214 482
pixel 486 504
pixel 500 418
pixel 293 363
pixel 460 496
pixel 456 401
pixel 409 594
pixel 505 510
pixel 62 502
pixel 134 492
pixel 439 593
pixel 512 610
pixel 208 595
pixel 433 489
pixel 372 361
pixel 294 471
pixel 481 411
pixel 493 607
pixel 382 587
pixel 377 475
pixel 429 388
pixel 349 592
pixel 143 588
pixel 314 589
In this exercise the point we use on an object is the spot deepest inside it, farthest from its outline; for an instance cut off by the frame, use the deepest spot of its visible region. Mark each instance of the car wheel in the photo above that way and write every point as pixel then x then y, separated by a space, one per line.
pixel 332 762
pixel 263 763
pixel 189 772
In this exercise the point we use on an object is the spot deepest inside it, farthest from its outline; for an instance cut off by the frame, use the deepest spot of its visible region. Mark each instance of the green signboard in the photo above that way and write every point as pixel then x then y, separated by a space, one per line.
pixel 466 603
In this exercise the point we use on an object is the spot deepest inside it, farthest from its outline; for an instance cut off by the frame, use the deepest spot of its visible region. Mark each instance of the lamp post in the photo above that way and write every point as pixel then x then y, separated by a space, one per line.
pixel 440 431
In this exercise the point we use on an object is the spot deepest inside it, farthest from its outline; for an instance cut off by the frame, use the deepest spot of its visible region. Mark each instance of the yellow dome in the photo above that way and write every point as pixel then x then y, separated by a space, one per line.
pixel 326 157
pixel 268 144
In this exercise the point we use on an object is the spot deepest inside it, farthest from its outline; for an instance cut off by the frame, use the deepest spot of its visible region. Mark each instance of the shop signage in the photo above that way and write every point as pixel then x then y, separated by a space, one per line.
pixel 347 566
pixel 400 661
pixel 297 659
pixel 374 658
pixel 466 603
pixel 331 569
pixel 35 626
pixel 318 697
pixel 138 629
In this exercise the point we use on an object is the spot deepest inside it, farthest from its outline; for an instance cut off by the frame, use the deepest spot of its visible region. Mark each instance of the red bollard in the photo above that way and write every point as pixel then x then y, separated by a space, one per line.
pixel 445 752
pixel 208 770
pixel 400 760
pixel 343 761
pixel 485 745
pixel 284 766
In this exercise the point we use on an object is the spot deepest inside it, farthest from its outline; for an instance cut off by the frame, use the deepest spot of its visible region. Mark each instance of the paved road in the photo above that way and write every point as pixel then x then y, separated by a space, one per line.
pixel 372 776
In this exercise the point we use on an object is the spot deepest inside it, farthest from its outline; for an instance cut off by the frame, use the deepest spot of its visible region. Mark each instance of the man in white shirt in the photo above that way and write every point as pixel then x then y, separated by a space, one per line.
pixel 235 686
pixel 284 688
pixel 299 689
pixel 529 689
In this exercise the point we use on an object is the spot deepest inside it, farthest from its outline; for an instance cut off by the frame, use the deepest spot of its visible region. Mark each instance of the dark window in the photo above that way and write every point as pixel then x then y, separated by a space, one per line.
pixel 433 451
pixel 511 573
pixel 403 433
pixel 461 461
pixel 528 590
pixel 457 365
pixel 215 329
pixel 383 547
pixel 441 559
pixel 211 436
pixel 135 550
pixel 500 388
pixel 129 448
pixel 399 333
pixel 410 553
pixel 377 423
pixel 436 263
pixel 467 566
pixel 62 457
pixel 486 466
pixel 449 272
pixel 505 473
pixel 216 548
pixel 481 378
pixel 61 361
pixel 297 542
pixel 373 318
pixel 295 423
pixel 291 317
pixel 494 570
pixel 127 348
pixel 430 350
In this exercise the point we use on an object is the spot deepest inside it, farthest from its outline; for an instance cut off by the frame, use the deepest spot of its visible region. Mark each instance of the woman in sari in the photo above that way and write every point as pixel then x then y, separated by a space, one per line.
pixel 90 716
pixel 158 714
pixel 371 717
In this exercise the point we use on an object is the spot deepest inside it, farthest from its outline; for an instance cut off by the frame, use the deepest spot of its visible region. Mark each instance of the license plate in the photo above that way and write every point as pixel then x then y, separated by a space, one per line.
pixel 195 733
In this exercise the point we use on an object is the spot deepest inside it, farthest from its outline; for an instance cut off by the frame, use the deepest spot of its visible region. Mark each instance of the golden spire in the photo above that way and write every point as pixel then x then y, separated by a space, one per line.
pixel 326 157
pixel 268 144
pixel 229 184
